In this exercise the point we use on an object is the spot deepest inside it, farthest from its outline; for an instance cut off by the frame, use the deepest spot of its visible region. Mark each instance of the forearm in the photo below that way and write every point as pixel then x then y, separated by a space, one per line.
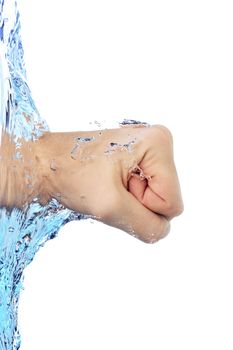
pixel 19 177
pixel 96 173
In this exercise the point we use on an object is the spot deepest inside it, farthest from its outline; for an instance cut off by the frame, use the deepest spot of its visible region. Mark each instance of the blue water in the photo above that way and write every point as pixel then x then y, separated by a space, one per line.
pixel 22 232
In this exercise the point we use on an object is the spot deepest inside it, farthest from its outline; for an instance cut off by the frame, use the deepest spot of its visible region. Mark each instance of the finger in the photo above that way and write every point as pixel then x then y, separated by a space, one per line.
pixel 137 186
pixel 147 196
pixel 163 194
pixel 133 217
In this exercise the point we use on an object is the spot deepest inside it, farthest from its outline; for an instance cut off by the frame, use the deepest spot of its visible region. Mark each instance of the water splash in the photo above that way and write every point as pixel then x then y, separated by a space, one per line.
pixel 113 146
pixel 133 122
pixel 22 231
pixel 79 141
pixel 18 113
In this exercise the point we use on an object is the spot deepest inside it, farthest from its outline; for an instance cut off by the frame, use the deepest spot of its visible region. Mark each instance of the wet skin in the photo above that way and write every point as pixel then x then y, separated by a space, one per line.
pixel 123 177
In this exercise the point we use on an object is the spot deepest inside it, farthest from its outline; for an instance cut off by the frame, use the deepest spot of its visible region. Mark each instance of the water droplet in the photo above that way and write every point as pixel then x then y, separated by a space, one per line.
pixel 78 141
pixel 132 122
pixel 137 171
pixel 85 139
pixel 11 229
pixel 98 124
pixel 18 155
pixel 112 144
pixel 53 165
pixel 74 152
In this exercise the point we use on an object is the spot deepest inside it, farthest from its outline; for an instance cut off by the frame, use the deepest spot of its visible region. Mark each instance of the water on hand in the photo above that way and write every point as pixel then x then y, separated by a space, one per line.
pixel 22 232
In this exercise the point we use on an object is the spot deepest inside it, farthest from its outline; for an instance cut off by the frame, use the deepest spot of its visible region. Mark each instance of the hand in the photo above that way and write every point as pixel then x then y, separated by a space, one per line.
pixel 123 177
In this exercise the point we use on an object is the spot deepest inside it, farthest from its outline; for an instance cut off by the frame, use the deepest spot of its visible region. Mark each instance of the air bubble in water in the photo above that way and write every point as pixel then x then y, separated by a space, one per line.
pixel 18 244
pixel 27 238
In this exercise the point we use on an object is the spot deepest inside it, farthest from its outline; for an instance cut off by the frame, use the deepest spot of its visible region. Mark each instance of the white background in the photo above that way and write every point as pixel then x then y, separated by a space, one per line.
pixel 164 62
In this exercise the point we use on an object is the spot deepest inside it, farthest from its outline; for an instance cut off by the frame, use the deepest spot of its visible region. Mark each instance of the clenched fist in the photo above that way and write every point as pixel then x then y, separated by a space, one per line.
pixel 124 177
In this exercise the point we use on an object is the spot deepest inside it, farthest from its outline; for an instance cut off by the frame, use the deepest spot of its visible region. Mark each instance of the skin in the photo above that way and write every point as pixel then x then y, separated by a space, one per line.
pixel 134 188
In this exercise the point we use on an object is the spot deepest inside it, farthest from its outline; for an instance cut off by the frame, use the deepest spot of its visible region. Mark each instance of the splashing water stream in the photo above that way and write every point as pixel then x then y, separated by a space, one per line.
pixel 22 232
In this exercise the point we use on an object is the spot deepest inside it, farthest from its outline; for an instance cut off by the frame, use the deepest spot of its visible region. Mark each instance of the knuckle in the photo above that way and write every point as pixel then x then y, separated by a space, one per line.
pixel 163 132
pixel 175 209
pixel 179 209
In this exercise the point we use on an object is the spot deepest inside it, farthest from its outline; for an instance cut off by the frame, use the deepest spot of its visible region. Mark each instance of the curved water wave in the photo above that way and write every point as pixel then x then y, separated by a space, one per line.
pixel 18 113
pixel 22 232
